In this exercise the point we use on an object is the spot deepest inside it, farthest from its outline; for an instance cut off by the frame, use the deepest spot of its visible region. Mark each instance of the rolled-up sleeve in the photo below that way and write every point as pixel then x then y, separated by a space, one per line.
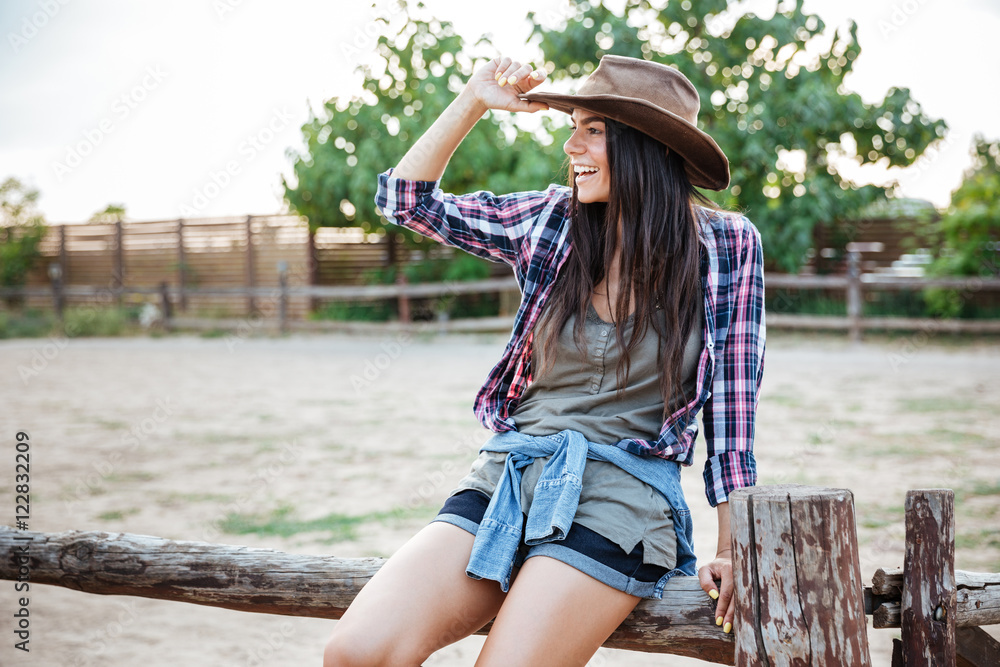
pixel 730 413
pixel 484 224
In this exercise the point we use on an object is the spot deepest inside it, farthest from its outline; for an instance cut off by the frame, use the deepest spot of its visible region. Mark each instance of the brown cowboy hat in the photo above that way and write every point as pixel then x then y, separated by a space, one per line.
pixel 655 99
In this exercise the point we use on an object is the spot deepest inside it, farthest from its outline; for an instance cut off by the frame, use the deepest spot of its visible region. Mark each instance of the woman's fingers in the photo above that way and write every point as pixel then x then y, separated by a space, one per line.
pixel 517 72
pixel 509 68
pixel 509 74
pixel 725 610
pixel 510 78
pixel 503 62
pixel 706 580
pixel 533 78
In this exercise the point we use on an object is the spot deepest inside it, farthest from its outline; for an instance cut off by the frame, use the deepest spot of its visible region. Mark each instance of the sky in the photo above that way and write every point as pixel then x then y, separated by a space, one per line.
pixel 189 108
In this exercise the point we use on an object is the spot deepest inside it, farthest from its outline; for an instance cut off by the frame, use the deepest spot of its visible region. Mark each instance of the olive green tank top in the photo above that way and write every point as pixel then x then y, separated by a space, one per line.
pixel 579 391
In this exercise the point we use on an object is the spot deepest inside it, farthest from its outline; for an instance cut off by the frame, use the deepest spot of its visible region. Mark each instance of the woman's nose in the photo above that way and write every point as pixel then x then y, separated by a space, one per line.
pixel 572 145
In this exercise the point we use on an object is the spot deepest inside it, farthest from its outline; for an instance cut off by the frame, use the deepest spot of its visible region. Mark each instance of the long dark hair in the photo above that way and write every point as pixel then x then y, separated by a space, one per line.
pixel 658 259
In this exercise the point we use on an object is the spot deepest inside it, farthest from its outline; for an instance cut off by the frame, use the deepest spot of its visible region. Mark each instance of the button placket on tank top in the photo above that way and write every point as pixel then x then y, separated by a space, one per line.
pixel 600 335
pixel 597 344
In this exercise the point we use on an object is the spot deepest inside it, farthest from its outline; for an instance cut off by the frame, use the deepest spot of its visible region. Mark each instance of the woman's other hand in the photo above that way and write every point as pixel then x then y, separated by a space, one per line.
pixel 497 84
pixel 722 569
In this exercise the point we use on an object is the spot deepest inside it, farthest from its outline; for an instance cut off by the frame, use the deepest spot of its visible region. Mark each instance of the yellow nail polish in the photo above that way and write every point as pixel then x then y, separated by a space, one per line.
pixel 714 594
pixel 503 80
pixel 497 76
pixel 512 80
pixel 729 626
pixel 534 75
pixel 718 620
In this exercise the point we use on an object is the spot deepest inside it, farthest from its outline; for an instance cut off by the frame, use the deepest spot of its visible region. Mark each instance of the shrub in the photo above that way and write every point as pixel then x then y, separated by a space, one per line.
pixel 81 321
pixel 29 323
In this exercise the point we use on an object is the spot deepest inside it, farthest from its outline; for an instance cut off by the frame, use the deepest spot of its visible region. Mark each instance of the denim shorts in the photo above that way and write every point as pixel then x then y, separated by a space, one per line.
pixel 622 533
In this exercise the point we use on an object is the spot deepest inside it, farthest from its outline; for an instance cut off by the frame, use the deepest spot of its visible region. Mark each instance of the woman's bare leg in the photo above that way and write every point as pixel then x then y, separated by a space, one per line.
pixel 419 601
pixel 554 615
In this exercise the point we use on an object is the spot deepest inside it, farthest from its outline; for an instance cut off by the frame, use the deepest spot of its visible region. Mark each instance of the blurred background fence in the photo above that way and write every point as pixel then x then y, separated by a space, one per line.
pixel 219 272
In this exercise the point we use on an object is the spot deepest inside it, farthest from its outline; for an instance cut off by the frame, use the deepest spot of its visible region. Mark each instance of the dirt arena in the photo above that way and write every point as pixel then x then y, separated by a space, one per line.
pixel 347 446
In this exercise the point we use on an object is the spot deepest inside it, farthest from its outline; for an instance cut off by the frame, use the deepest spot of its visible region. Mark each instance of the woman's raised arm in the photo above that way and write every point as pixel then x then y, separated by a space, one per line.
pixel 495 85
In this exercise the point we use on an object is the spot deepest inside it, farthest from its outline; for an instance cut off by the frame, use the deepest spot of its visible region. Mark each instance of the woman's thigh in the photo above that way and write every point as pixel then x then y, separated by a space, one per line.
pixel 554 615
pixel 419 601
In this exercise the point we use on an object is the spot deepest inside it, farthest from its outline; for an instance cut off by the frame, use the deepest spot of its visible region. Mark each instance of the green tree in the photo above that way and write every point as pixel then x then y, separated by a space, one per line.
pixel 970 230
pixel 772 96
pixel 111 213
pixel 22 229
pixel 423 67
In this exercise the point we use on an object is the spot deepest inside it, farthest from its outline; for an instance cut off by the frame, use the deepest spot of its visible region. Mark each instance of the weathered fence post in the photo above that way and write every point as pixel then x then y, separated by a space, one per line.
pixel 854 295
pixel 165 306
pixel 510 300
pixel 119 269
pixel 928 604
pixel 251 270
pixel 798 577
pixel 855 300
pixel 402 299
pixel 63 256
pixel 181 265
pixel 313 260
pixel 58 298
pixel 283 296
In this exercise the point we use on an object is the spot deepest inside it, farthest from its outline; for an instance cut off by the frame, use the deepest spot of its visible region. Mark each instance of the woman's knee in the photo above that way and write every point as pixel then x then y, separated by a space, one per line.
pixel 344 650
pixel 349 648
pixel 341 652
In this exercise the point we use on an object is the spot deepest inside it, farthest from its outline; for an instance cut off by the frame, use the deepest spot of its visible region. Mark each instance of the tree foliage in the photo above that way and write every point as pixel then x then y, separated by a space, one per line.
pixel 22 229
pixel 111 213
pixel 970 230
pixel 772 96
pixel 424 65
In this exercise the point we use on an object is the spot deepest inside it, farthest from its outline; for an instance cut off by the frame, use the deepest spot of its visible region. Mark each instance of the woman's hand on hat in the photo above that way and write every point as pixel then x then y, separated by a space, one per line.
pixel 497 84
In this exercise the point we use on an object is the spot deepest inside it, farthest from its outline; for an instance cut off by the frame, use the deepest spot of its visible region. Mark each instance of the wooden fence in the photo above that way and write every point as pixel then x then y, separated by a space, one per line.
pixel 892 236
pixel 207 260
pixel 799 591
pixel 223 272
pixel 283 307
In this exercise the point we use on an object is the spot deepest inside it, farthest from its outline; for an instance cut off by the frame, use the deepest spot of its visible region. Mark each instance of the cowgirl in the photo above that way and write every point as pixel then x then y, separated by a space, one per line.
pixel 642 305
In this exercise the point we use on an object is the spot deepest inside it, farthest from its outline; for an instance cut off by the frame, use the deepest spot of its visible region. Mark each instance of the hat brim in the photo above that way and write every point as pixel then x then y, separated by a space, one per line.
pixel 705 163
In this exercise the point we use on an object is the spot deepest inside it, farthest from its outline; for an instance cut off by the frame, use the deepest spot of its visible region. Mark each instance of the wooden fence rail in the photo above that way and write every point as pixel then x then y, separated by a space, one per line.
pixel 270 302
pixel 272 582
pixel 218 264
pixel 799 594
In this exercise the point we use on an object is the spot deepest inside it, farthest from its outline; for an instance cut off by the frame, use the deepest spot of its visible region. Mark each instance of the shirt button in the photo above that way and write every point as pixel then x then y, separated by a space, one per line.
pixel 600 352
pixel 604 333
pixel 594 387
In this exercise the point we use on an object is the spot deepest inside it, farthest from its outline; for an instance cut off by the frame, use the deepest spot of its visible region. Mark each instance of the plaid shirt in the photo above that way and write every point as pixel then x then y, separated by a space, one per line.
pixel 529 231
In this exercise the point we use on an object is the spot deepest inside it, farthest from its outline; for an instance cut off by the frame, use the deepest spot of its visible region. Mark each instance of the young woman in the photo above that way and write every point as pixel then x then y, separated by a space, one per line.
pixel 573 511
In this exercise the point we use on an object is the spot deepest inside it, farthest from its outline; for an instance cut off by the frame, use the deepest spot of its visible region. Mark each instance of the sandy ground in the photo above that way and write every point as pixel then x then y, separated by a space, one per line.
pixel 168 436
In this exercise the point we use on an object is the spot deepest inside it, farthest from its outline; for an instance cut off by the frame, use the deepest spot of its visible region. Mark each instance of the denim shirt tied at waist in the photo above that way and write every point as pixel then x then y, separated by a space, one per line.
pixel 556 497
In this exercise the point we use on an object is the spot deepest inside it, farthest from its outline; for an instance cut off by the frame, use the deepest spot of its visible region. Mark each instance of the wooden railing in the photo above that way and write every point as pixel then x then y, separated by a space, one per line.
pixel 800 596
pixel 271 304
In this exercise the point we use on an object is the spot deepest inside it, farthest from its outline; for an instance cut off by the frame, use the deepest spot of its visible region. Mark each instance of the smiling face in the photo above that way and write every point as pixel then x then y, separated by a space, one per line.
pixel 587 149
